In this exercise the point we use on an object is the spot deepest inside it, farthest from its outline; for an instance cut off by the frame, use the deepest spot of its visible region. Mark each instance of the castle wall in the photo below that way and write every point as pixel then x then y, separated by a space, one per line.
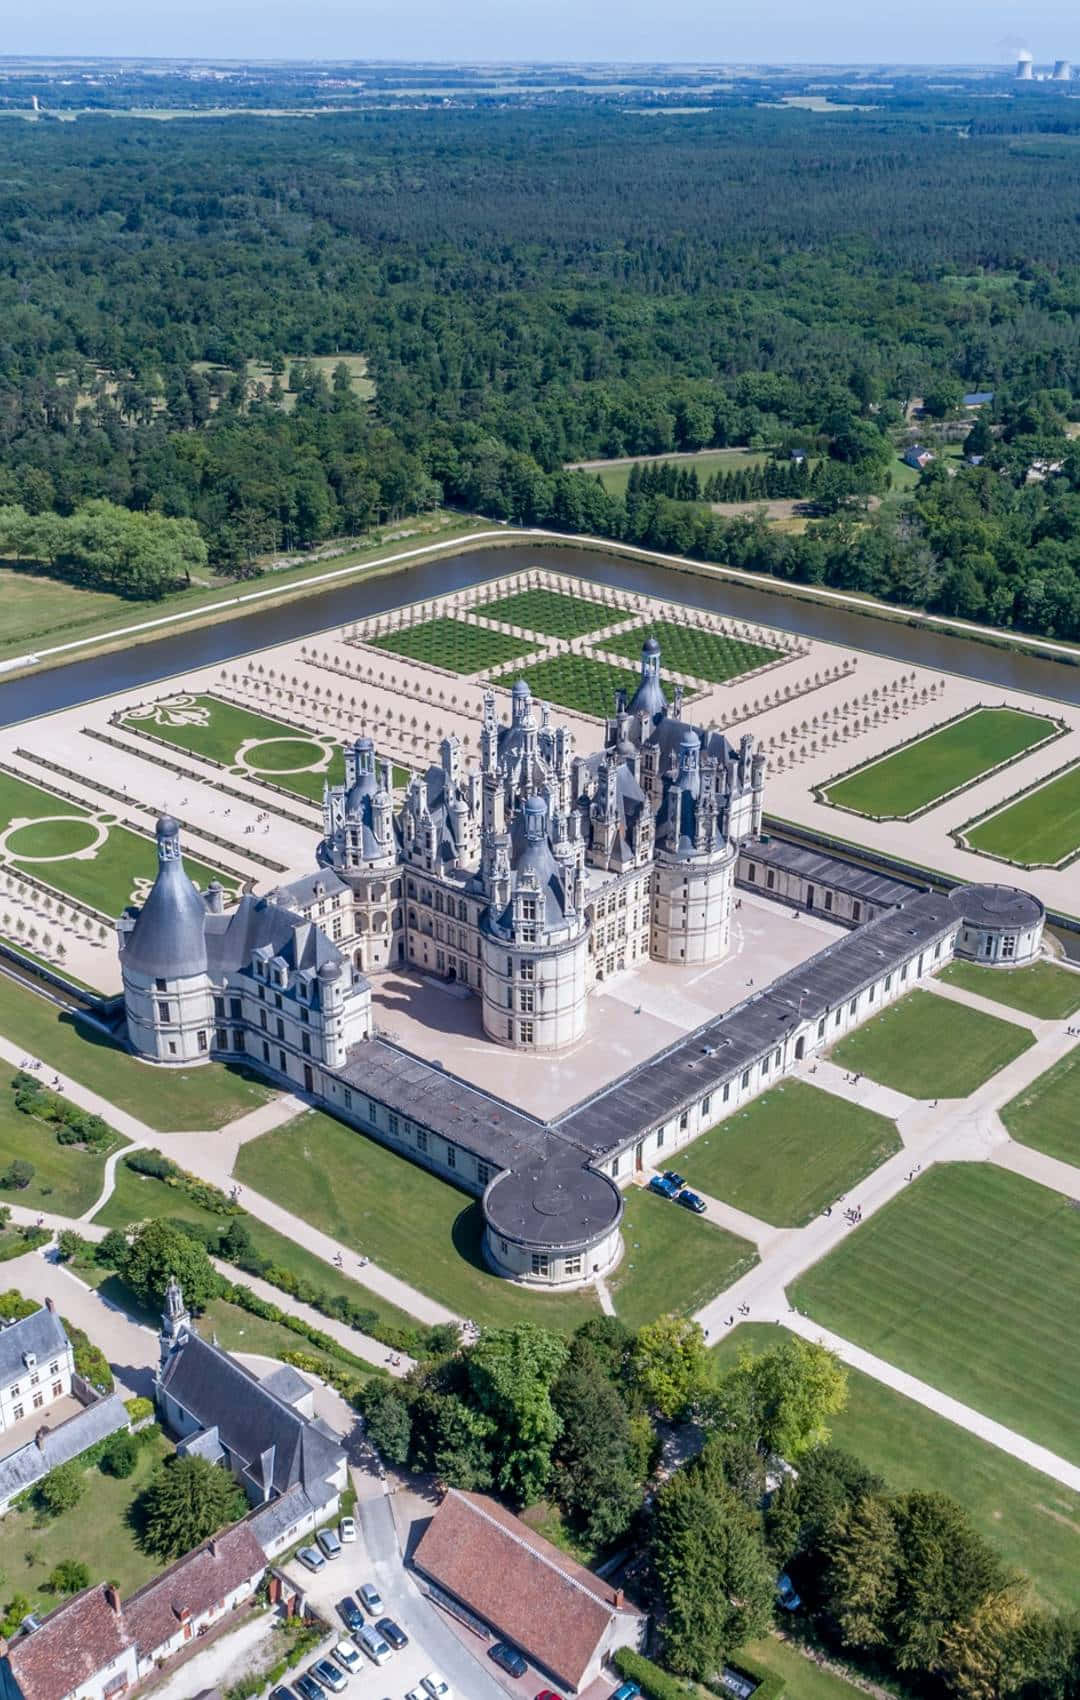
pixel 534 997
pixel 169 1021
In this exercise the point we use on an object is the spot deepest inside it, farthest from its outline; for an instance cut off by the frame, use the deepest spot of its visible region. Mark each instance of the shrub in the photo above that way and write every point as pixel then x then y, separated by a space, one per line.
pixel 120 1456
pixel 17 1175
pixel 654 1682
pixel 90 1361
pixel 150 1162
pixel 62 1489
pixel 70 1576
pixel 138 1409
pixel 71 1247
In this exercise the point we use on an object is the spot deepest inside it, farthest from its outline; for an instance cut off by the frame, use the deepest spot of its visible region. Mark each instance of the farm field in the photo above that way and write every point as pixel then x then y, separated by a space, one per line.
pixel 579 682
pixel 673 1261
pixel 967 1280
pixel 915 775
pixel 67 1178
pixel 692 650
pixel 930 1047
pixel 453 644
pixel 789 1153
pixel 86 855
pixel 1041 989
pixel 1046 1114
pixel 551 612
pixel 250 745
pixel 1037 830
pixel 1033 1521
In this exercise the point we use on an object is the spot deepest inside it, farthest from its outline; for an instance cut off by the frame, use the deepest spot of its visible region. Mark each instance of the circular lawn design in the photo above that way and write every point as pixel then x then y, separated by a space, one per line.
pixel 53 838
pixel 284 755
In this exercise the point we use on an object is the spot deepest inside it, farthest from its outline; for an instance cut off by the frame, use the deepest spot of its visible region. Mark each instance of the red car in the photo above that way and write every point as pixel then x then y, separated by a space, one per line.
pixel 548 1694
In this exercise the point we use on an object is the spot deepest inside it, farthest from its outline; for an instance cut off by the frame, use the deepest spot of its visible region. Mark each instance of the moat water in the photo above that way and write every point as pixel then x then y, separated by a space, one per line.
pixel 190 648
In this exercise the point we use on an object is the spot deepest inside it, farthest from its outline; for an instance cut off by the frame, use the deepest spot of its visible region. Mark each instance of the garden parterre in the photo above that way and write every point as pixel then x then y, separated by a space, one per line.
pixel 1040 829
pixel 452 644
pixel 579 682
pixel 695 651
pixel 552 612
pixel 252 746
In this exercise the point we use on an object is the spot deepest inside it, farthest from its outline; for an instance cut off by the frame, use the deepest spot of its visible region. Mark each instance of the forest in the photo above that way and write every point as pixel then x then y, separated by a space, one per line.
pixel 533 286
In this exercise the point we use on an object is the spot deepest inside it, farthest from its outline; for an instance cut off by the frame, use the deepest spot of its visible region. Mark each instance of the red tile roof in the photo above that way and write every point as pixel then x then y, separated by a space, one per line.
pixel 70 1646
pixel 192 1586
pixel 554 1610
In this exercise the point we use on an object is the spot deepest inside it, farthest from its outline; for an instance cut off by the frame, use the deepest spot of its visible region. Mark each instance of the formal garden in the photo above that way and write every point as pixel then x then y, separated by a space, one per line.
pixel 579 682
pixel 552 612
pixel 695 650
pixel 1040 829
pixel 967 1280
pixel 249 745
pixel 929 1046
pixel 452 644
pixel 899 785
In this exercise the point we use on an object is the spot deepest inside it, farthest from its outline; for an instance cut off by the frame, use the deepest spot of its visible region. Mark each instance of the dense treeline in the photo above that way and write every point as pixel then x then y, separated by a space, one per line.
pixel 532 287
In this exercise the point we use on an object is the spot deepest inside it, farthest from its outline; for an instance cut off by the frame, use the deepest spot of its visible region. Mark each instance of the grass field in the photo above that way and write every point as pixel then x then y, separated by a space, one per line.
pixel 929 767
pixel 99 1530
pixel 691 650
pixel 789 1153
pixel 1039 829
pixel 453 644
pixel 552 612
pixel 207 726
pixel 930 1047
pixel 107 877
pixel 1032 1521
pixel 67 1179
pixel 1041 989
pixel 802 1678
pixel 673 1261
pixel 579 682
pixel 969 1280
pixel 407 1220
pixel 1046 1114
pixel 616 475
pixel 205 1097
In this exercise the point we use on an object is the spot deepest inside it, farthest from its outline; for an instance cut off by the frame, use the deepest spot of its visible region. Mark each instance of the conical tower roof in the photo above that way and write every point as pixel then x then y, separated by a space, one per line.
pixel 168 939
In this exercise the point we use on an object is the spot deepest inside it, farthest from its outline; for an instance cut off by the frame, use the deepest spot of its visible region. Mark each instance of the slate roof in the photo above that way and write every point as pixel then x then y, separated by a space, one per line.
pixel 21 1469
pixel 310 888
pixel 193 1586
pixel 533 1595
pixel 40 1334
pixel 283 1513
pixel 286 1383
pixel 828 870
pixel 167 937
pixel 258 923
pixel 69 1646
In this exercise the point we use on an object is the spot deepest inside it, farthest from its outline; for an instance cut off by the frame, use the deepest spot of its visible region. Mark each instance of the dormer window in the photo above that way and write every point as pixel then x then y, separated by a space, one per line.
pixel 29 1359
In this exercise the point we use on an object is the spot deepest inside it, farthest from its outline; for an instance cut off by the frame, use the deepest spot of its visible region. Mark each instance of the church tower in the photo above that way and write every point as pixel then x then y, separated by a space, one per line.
pixel 175 1322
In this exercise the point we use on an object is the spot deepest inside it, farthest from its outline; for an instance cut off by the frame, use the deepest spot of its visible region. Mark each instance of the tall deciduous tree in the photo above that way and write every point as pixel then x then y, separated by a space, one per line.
pixel 159 1251
pixel 511 1372
pixel 670 1364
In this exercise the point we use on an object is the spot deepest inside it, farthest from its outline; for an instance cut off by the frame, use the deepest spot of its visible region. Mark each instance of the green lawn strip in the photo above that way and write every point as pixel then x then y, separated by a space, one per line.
pixel 99 1531
pixel 67 1178
pixel 176 1101
pixel 1041 989
pixel 136 1197
pixel 690 649
pixel 551 612
pixel 453 644
pixel 673 1260
pixel 579 682
pixel 1046 1114
pixel 229 726
pixel 1031 1520
pixel 967 1280
pixel 803 1678
pixel 789 1153
pixel 406 1220
pixel 932 1047
pixel 1042 827
pixel 238 1330
pixel 51 963
pixel 928 767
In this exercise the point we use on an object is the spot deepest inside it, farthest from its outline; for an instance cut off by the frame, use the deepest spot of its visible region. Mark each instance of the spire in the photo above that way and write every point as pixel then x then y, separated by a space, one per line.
pixel 175 1321
pixel 167 938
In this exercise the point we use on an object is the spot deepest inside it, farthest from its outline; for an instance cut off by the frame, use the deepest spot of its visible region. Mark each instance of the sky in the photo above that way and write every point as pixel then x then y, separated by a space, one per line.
pixel 790 31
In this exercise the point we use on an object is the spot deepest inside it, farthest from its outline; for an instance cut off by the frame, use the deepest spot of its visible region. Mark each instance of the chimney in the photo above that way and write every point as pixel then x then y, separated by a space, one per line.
pixel 39 1438
pixel 112 1597
pixel 212 1546
pixel 618 1597
pixel 50 1305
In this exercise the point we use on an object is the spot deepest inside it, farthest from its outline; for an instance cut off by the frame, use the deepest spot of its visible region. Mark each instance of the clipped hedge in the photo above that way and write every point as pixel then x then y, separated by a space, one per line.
pixel 770 1683
pixel 659 1684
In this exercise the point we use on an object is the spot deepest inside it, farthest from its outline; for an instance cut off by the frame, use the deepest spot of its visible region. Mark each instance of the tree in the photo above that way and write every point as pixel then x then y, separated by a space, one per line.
pixel 510 1372
pixel 670 1364
pixel 159 1251
pixel 595 1455
pixel 980 439
pixel 860 1576
pixel 187 1501
pixel 62 1489
pixel 389 1425
pixel 812 1503
pixel 18 1175
pixel 715 1575
pixel 120 1456
pixel 946 1574
pixel 790 1392
pixel 70 1576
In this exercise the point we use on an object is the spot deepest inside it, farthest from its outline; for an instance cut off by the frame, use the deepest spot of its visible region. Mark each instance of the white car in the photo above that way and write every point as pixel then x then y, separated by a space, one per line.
pixel 347 1530
pixel 435 1686
pixel 347 1656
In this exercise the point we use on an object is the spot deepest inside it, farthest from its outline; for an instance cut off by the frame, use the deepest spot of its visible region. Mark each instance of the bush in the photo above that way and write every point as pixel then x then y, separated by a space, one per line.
pixel 90 1361
pixel 138 1409
pixel 17 1175
pixel 120 1456
pixel 70 1576
pixel 151 1163
pixel 71 1247
pixel 110 1252
pixel 24 1240
pixel 62 1489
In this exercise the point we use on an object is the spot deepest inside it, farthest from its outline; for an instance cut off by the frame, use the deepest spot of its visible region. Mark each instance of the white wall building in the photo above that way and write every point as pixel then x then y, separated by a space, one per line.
pixel 36 1365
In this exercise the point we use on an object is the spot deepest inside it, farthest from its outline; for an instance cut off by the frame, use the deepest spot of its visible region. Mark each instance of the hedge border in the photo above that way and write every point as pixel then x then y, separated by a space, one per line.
pixel 958 834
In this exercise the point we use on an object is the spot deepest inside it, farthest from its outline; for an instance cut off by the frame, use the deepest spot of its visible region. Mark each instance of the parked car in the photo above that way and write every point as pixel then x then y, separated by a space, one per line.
pixel 311 1558
pixel 328 1541
pixel 663 1186
pixel 435 1686
pixel 280 1694
pixel 374 1646
pixel 548 1694
pixel 675 1179
pixel 786 1593
pixel 329 1675
pixel 347 1530
pixel 346 1655
pixel 392 1632
pixel 626 1691
pixel 692 1201
pixel 350 1614
pixel 370 1597
pixel 309 1687
pixel 507 1658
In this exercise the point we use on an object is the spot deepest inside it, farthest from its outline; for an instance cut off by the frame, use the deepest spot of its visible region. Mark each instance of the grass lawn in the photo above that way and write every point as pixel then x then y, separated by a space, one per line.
pixel 237 1330
pixel 408 1221
pixel 930 1047
pixel 1041 989
pixel 1045 1115
pixel 183 1100
pixel 207 726
pixel 691 650
pixel 579 682
pixel 551 612
pixel 1039 829
pixel 673 1261
pixel 914 775
pixel 803 1679
pixel 135 1197
pixel 1032 1520
pixel 67 1178
pixel 98 1530
pixel 789 1153
pixel 453 644
pixel 106 878
pixel 970 1279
